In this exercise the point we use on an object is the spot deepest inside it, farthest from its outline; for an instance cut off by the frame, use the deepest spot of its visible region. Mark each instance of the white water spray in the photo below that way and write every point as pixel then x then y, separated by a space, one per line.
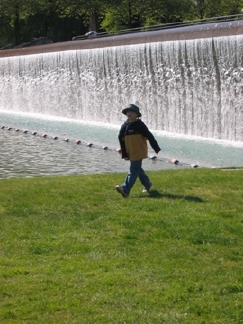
pixel 191 87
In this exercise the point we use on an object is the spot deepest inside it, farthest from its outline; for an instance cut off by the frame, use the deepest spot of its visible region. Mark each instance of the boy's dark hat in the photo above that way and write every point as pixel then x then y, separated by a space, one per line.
pixel 132 107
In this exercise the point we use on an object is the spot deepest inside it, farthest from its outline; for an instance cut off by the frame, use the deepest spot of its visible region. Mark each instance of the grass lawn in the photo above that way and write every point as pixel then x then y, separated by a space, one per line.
pixel 72 250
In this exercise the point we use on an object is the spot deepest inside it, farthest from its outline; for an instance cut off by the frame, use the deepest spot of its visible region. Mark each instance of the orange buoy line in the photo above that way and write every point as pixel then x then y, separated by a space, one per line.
pixel 89 144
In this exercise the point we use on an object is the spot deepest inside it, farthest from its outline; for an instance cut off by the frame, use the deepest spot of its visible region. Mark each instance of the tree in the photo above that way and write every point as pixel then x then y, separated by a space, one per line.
pixel 212 8
pixel 90 11
pixel 166 11
pixel 12 12
pixel 125 15
pixel 138 13
pixel 22 20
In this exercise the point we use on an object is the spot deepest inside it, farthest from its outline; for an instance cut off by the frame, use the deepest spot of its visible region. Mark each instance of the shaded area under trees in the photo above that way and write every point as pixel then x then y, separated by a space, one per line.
pixel 59 20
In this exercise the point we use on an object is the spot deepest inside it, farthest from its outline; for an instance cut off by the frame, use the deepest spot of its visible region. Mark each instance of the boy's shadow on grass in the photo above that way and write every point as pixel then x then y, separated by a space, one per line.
pixel 156 194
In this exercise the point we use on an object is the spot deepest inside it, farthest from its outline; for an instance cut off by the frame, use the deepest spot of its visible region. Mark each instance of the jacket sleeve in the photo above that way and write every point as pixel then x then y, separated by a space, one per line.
pixel 152 141
pixel 121 137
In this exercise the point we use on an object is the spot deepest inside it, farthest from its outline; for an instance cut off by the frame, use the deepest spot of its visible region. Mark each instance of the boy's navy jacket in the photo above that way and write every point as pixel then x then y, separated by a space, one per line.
pixel 133 140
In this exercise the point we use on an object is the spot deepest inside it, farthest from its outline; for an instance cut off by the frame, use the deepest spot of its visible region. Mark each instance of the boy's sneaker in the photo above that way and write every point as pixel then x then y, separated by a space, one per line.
pixel 121 191
pixel 147 189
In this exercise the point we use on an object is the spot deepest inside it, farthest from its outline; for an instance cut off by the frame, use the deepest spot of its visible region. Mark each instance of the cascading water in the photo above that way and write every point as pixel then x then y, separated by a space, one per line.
pixel 191 87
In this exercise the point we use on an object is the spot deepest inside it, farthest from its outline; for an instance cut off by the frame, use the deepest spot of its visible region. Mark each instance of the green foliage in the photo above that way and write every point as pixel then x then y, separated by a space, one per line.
pixel 22 20
pixel 74 251
pixel 212 8
pixel 132 14
pixel 110 23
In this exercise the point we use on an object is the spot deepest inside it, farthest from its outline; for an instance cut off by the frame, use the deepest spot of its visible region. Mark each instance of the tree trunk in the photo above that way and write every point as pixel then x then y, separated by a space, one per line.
pixel 130 14
pixel 93 22
pixel 200 8
pixel 16 26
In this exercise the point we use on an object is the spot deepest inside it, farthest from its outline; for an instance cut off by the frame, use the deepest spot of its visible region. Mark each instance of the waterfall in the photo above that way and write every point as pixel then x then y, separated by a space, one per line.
pixel 191 87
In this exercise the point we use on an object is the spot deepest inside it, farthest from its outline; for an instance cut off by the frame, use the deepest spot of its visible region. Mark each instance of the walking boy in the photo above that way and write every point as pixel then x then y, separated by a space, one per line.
pixel 133 138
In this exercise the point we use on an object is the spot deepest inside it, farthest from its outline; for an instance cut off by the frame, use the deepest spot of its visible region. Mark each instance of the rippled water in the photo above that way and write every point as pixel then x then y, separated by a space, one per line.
pixel 26 155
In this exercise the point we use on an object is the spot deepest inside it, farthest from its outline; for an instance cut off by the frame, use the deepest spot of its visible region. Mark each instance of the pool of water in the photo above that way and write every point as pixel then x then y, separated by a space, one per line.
pixel 27 155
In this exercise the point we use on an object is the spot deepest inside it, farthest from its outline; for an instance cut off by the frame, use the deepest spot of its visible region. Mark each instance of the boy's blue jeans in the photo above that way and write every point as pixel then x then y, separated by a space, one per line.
pixel 136 171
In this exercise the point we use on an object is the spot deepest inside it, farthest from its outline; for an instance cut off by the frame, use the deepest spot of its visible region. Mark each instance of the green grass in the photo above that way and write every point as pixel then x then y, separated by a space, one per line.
pixel 72 250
